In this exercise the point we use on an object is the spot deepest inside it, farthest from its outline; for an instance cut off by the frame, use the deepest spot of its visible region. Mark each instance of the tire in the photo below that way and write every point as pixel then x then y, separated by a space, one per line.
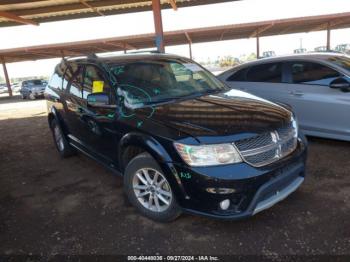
pixel 23 96
pixel 32 96
pixel 60 140
pixel 159 191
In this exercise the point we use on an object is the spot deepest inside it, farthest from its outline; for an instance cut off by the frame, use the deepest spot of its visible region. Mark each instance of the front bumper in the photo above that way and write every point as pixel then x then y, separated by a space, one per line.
pixel 251 189
pixel 38 93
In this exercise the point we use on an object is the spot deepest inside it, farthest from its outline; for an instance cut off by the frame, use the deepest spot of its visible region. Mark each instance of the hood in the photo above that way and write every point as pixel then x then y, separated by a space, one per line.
pixel 229 113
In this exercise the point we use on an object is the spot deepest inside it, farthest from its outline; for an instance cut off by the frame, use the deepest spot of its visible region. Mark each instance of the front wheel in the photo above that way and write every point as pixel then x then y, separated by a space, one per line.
pixel 149 190
pixel 32 96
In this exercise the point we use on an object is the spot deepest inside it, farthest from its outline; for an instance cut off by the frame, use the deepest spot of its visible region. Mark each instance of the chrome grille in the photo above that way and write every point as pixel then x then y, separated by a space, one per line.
pixel 268 147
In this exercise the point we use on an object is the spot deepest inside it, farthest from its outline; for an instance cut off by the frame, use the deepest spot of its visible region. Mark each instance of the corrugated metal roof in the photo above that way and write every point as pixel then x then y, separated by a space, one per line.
pixel 196 35
pixel 54 10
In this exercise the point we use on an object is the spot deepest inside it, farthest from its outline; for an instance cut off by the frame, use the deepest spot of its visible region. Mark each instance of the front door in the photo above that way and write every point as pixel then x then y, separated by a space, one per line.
pixel 319 108
pixel 101 130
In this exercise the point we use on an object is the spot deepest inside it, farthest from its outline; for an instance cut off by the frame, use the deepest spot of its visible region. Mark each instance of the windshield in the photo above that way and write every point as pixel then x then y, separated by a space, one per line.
pixel 154 81
pixel 35 83
pixel 342 61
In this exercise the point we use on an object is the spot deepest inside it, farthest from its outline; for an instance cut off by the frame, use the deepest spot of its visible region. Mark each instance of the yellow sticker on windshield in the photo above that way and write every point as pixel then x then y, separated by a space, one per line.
pixel 97 86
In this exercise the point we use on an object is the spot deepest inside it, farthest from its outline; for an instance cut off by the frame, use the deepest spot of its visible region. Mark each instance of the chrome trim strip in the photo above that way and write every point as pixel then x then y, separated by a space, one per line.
pixel 279 196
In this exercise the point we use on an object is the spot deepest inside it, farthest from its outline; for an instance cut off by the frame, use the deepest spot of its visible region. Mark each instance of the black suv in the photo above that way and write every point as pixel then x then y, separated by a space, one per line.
pixel 179 137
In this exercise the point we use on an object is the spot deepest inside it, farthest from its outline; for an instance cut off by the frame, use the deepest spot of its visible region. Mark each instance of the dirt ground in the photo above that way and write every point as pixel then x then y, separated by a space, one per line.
pixel 75 206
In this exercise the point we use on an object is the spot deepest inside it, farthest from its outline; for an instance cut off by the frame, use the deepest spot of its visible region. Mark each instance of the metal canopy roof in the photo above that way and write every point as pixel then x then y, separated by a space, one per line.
pixel 13 12
pixel 217 33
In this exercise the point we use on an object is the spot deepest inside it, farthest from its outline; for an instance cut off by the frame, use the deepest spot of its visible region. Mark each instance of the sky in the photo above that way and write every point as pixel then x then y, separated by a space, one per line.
pixel 187 17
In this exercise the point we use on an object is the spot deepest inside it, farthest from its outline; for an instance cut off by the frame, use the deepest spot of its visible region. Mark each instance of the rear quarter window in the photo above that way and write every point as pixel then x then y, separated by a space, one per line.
pixel 57 77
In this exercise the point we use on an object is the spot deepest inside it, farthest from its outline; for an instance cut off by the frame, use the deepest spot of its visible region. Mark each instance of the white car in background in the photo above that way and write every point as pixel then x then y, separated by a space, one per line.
pixel 316 86
pixel 15 87
pixel 3 89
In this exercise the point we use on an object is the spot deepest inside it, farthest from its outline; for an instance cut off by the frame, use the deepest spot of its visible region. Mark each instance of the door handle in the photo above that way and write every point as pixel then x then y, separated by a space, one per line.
pixel 296 93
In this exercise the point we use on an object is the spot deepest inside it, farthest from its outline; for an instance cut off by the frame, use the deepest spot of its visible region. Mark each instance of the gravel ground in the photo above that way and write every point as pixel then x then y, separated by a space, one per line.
pixel 75 206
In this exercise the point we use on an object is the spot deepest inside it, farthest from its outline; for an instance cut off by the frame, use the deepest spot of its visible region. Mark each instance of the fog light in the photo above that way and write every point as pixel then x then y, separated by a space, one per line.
pixel 225 204
pixel 215 190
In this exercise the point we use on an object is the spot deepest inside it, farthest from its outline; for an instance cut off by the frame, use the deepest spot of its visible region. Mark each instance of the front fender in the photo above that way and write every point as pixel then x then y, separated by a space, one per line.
pixel 157 151
pixel 146 142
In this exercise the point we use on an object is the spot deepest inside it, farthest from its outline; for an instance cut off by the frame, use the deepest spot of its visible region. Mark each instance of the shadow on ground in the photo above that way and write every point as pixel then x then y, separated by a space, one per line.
pixel 14 99
pixel 75 206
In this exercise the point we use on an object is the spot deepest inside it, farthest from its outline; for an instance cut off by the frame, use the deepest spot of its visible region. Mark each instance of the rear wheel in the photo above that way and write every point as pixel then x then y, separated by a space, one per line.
pixel 149 190
pixel 62 145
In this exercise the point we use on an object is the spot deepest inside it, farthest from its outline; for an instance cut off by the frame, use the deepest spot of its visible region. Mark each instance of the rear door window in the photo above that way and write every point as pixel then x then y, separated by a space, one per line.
pixel 312 73
pixel 69 72
pixel 75 84
pixel 270 72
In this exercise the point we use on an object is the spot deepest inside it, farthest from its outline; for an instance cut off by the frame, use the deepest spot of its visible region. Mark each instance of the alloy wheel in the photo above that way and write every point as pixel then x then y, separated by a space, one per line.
pixel 152 190
pixel 31 96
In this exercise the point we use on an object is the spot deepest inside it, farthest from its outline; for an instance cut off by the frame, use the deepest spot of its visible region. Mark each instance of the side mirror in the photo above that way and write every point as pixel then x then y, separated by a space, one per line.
pixel 99 100
pixel 340 83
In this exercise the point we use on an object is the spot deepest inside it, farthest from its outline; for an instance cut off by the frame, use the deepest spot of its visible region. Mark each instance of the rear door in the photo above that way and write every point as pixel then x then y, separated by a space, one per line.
pixel 319 108
pixel 73 101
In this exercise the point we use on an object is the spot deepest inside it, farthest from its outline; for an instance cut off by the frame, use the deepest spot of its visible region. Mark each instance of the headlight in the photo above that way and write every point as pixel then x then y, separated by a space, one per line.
pixel 208 155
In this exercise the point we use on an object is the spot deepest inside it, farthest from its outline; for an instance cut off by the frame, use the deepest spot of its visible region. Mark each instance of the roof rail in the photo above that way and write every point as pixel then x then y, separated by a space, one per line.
pixel 89 56
pixel 146 51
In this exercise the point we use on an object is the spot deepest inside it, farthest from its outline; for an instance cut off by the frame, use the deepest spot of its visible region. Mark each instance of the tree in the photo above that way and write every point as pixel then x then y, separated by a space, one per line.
pixel 251 57
pixel 228 61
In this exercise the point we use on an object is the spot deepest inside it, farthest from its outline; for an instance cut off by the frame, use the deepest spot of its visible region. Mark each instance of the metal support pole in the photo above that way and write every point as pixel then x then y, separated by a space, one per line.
pixel 257 47
pixel 6 76
pixel 328 37
pixel 157 15
pixel 190 49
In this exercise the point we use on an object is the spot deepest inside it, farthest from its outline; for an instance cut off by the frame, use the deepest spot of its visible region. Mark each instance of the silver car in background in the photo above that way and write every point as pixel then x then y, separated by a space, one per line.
pixel 316 86
pixel 33 89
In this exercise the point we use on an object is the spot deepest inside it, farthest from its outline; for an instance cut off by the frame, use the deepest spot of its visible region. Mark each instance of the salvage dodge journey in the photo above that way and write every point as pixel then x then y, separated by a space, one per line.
pixel 181 139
